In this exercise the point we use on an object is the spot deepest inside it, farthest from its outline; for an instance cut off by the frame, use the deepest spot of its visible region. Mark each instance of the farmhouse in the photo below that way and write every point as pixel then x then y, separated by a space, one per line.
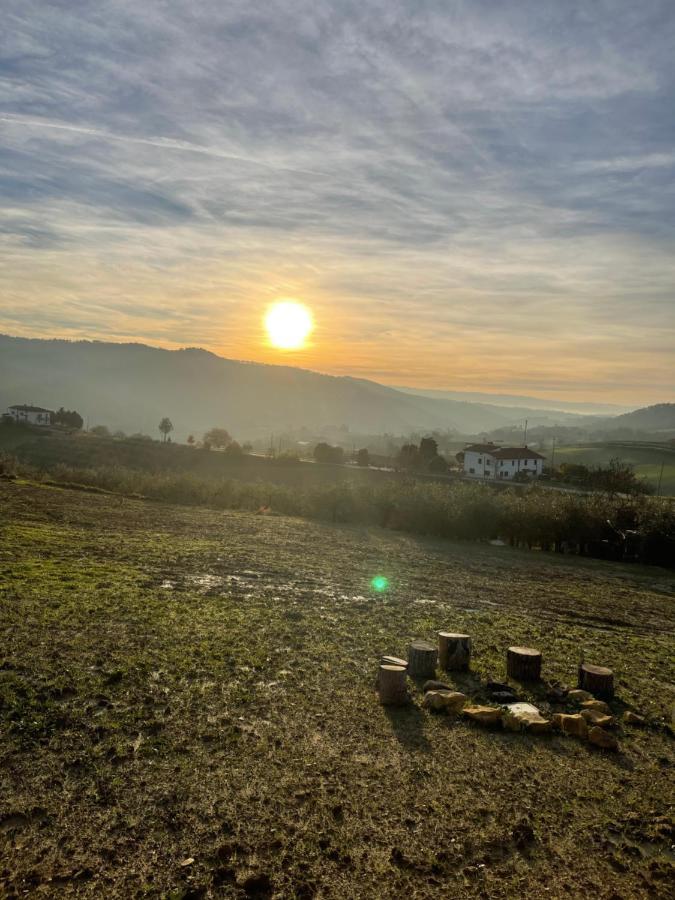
pixel 490 461
pixel 31 415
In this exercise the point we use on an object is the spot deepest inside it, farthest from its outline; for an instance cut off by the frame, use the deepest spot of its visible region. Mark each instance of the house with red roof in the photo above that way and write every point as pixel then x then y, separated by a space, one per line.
pixel 494 463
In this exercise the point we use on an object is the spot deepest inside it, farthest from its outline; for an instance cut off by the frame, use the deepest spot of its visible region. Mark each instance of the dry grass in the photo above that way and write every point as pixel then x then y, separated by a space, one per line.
pixel 187 684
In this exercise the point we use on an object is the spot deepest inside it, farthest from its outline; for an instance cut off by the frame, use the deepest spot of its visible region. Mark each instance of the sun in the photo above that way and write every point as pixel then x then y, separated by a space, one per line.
pixel 288 325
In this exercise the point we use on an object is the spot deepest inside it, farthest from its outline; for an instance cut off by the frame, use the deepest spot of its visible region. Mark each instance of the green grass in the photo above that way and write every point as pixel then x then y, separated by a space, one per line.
pixel 646 458
pixel 181 683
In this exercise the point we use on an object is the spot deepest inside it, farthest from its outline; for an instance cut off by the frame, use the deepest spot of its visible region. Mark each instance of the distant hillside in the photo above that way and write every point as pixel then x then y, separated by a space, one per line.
pixel 660 417
pixel 521 400
pixel 131 386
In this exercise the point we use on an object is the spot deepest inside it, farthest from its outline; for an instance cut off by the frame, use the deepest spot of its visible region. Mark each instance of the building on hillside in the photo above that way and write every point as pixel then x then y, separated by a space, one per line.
pixel 30 415
pixel 492 462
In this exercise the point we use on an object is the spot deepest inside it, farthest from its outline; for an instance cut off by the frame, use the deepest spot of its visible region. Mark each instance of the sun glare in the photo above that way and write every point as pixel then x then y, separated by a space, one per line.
pixel 288 325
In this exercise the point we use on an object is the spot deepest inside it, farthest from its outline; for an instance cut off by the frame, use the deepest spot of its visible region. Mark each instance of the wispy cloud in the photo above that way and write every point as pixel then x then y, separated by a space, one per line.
pixel 468 193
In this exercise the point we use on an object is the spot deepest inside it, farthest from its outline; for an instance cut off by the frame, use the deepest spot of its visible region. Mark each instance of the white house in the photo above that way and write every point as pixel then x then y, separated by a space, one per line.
pixel 31 415
pixel 492 462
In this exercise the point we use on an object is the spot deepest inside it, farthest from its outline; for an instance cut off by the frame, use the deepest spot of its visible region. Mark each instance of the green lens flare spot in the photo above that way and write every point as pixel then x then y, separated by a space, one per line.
pixel 379 583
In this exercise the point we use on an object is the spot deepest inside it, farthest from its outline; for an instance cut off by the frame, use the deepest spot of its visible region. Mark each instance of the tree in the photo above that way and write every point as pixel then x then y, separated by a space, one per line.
pixel 428 449
pixel 408 456
pixel 120 436
pixel 233 449
pixel 218 438
pixel 325 453
pixel 68 417
pixel 437 466
pixel 363 457
pixel 100 431
pixel 165 426
pixel 191 439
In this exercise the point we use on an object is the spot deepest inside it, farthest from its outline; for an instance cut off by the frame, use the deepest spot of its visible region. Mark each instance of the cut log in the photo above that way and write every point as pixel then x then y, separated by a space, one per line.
pixel 422 659
pixel 598 680
pixel 391 685
pixel 454 651
pixel 393 661
pixel 523 663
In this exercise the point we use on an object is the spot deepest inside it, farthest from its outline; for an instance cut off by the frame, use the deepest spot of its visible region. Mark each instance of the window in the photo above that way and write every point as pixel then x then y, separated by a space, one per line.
pixel 479 460
pixel 472 471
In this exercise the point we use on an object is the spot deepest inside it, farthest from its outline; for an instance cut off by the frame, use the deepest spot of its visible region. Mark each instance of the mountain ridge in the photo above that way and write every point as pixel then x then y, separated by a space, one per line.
pixel 132 385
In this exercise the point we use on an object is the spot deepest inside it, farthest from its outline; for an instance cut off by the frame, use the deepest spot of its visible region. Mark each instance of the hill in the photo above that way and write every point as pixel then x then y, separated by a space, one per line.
pixel 660 417
pixel 131 386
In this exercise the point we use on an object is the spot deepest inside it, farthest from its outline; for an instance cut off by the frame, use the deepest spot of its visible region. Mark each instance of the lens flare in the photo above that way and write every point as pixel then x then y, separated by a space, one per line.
pixel 379 583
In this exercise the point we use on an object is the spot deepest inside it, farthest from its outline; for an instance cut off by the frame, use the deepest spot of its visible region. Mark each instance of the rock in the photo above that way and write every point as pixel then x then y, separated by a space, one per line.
pixel 525 717
pixel 485 715
pixel 503 697
pixel 595 717
pixel 571 724
pixel 578 696
pixel 602 738
pixel 444 701
pixel 631 718
pixel 598 705
pixel 436 686
pixel 557 693
pixel 500 687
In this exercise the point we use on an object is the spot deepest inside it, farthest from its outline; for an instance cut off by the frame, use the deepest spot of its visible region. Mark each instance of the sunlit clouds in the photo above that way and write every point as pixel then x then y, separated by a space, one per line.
pixel 474 196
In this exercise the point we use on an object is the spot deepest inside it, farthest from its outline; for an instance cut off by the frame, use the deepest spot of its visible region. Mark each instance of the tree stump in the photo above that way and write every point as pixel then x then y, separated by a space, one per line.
pixel 422 659
pixel 523 663
pixel 454 651
pixel 391 685
pixel 597 680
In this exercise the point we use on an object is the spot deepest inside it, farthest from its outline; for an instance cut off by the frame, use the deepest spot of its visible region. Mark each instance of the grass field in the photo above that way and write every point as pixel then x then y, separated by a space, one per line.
pixel 646 458
pixel 187 710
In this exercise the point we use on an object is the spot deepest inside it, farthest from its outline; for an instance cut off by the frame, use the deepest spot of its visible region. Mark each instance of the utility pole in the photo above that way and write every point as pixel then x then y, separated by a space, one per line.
pixel 553 455
pixel 525 434
pixel 658 489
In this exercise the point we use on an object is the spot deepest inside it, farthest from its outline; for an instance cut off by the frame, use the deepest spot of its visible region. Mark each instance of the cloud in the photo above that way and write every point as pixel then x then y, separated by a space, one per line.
pixel 491 182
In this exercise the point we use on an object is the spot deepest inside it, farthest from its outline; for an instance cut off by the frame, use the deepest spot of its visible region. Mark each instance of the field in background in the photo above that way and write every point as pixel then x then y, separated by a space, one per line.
pixel 646 458
pixel 187 710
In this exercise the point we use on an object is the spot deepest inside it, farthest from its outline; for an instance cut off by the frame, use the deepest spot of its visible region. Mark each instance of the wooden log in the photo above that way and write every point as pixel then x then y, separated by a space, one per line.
pixel 597 680
pixel 454 651
pixel 393 661
pixel 391 685
pixel 523 663
pixel 422 659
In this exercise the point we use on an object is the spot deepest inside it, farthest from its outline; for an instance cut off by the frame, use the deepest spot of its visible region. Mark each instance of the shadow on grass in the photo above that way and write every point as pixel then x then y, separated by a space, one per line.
pixel 408 723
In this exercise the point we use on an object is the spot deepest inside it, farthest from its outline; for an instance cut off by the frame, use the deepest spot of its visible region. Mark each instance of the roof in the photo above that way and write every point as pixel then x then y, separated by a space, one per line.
pixel 21 407
pixel 505 452
pixel 483 448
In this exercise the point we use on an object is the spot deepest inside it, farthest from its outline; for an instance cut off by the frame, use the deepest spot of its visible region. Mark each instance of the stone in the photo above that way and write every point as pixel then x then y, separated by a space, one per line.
pixel 578 696
pixel 436 686
pixel 571 724
pixel 484 715
pixel 499 687
pixel 601 738
pixel 503 697
pixel 595 717
pixel 444 701
pixel 631 718
pixel 598 705
pixel 525 717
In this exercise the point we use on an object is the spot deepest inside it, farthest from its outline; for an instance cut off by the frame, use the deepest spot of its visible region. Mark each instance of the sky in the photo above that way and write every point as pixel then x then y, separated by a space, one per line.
pixel 468 195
